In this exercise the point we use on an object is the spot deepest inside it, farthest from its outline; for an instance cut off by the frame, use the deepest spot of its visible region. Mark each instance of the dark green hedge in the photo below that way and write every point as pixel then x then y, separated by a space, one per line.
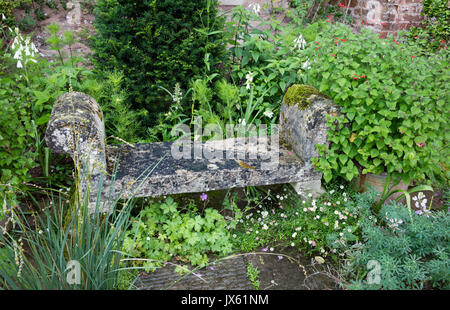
pixel 157 43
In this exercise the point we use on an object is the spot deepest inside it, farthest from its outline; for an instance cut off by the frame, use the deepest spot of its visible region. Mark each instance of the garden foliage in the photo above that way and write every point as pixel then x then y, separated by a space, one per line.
pixel 157 43
pixel 435 33
pixel 411 250
pixel 394 103
pixel 29 86
pixel 7 6
pixel 325 226
pixel 53 238
pixel 162 231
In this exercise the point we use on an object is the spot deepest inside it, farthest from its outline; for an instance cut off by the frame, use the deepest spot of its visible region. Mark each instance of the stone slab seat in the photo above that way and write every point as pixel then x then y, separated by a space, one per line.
pixel 76 127
pixel 173 176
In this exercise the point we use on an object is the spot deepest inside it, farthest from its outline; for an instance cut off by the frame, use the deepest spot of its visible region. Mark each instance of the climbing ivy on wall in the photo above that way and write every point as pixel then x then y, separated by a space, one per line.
pixel 436 31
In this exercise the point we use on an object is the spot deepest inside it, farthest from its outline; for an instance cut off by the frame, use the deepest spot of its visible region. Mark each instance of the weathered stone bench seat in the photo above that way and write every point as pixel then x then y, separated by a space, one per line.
pixel 76 127
pixel 174 176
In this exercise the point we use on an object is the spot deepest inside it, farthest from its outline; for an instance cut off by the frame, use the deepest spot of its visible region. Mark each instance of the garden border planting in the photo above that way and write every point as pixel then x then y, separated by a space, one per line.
pixel 76 127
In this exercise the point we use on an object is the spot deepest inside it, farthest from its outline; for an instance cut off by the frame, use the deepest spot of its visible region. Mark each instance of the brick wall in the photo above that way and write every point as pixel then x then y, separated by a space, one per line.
pixel 383 16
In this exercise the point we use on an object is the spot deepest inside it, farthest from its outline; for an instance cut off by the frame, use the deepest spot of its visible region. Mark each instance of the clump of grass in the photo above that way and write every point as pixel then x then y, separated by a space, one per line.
pixel 41 249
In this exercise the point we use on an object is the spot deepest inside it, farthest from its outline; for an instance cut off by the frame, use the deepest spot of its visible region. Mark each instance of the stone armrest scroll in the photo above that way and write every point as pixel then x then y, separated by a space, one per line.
pixel 76 127
pixel 303 122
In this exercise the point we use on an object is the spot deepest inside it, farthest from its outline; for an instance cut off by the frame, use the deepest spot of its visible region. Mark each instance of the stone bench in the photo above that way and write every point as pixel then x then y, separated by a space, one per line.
pixel 76 127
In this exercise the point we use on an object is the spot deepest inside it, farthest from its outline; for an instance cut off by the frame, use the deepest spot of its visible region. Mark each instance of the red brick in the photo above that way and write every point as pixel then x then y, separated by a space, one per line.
pixel 412 18
pixel 396 14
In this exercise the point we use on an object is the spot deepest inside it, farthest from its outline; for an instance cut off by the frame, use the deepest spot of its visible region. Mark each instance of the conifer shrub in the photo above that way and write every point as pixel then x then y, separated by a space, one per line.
pixel 157 44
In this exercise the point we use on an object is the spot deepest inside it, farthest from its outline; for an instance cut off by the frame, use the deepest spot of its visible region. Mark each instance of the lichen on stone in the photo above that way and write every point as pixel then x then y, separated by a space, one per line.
pixel 298 94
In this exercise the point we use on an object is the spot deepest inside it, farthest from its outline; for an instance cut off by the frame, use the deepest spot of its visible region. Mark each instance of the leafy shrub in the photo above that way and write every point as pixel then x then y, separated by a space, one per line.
pixel 16 126
pixel 161 232
pixel 412 251
pixel 394 104
pixel 120 120
pixel 157 43
pixel 251 88
pixel 7 6
pixel 309 11
pixel 29 86
pixel 435 33
pixel 270 56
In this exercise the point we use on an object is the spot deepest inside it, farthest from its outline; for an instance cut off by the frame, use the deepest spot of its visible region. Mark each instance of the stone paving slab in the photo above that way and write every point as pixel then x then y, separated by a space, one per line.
pixel 229 274
pixel 288 270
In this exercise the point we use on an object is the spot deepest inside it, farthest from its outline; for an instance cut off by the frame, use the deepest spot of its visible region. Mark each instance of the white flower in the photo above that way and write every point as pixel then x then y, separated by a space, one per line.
pixel 3 16
pixel 294 235
pixel 24 50
pixel 268 113
pixel 18 54
pixel 177 94
pixel 255 8
pixel 341 186
pixel 306 65
pixel 249 78
pixel 300 42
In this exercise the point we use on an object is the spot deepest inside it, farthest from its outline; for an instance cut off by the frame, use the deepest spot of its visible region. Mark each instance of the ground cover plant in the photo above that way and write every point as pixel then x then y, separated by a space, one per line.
pixel 410 250
pixel 163 231
pixel 322 226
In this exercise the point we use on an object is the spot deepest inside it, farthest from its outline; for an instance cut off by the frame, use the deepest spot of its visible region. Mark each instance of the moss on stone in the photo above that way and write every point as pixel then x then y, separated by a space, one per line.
pixel 298 95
